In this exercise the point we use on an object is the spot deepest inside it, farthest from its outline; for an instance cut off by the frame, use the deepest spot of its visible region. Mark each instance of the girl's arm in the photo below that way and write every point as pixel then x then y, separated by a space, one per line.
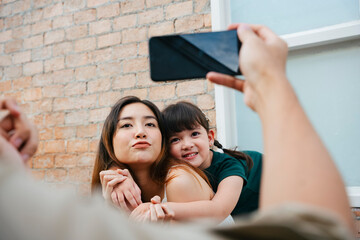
pixel 219 207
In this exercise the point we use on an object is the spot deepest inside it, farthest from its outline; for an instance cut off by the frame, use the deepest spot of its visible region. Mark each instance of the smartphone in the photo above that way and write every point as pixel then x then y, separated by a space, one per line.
pixel 188 56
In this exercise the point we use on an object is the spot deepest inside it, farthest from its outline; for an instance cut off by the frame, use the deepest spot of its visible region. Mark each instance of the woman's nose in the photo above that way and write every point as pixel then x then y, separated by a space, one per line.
pixel 140 132
pixel 187 144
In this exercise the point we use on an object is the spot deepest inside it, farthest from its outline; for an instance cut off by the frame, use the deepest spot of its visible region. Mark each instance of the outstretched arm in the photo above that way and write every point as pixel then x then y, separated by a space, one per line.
pixel 290 141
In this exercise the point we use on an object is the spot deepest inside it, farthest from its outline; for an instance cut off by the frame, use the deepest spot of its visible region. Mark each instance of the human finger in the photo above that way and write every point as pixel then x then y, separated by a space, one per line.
pixel 155 200
pixel 114 199
pixel 169 213
pixel 159 212
pixel 226 80
pixel 30 145
pixel 137 194
pixel 153 215
pixel 122 202
pixel 11 105
pixel 130 199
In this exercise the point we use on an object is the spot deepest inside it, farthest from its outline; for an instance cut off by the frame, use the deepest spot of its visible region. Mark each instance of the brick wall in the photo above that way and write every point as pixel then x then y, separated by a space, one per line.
pixel 67 62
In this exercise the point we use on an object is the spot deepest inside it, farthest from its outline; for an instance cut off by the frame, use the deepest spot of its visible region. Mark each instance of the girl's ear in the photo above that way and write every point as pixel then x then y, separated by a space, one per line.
pixel 211 137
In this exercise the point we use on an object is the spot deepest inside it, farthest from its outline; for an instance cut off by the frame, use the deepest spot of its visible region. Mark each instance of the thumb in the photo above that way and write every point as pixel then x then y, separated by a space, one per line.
pixel 245 32
pixel 155 200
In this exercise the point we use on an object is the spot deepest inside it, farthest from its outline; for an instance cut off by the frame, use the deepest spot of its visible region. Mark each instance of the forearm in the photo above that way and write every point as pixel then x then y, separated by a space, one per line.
pixel 199 209
pixel 295 156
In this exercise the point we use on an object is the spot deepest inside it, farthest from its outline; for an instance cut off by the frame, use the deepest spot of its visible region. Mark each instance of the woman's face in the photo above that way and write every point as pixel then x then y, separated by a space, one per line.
pixel 137 139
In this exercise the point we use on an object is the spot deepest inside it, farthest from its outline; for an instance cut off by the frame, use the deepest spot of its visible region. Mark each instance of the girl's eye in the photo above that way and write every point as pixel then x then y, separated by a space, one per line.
pixel 174 140
pixel 126 125
pixel 194 134
pixel 150 124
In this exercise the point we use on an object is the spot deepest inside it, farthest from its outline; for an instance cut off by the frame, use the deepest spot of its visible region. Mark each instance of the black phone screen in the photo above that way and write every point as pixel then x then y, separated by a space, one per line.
pixel 189 56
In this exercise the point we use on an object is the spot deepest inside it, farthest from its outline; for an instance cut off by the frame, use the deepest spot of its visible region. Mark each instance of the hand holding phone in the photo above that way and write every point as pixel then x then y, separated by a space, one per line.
pixel 189 56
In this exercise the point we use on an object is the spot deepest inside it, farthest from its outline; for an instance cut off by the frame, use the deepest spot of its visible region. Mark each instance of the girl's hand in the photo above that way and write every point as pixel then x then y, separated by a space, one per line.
pixel 119 187
pixel 152 211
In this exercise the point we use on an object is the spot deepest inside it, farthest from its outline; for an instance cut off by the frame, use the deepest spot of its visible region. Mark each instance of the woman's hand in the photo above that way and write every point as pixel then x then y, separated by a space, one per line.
pixel 152 211
pixel 119 187
pixel 18 130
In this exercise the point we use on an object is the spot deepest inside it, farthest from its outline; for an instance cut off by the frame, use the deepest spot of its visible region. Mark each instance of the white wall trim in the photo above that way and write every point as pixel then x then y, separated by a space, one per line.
pixel 354 196
pixel 322 36
pixel 224 97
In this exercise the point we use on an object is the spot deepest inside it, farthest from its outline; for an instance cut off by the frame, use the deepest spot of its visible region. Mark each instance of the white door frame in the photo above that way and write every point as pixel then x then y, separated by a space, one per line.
pixel 225 97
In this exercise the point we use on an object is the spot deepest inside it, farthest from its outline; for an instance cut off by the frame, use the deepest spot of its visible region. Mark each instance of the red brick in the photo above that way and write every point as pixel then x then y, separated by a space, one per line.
pixel 53 119
pixel 132 6
pixel 46 134
pixel 5 36
pixel 109 39
pixel 173 10
pixel 63 76
pixel 134 35
pixel 53 91
pixel 151 16
pixel 124 51
pixel 13 72
pixel 86 16
pixel 21 32
pixel 61 104
pixel 152 3
pixel 73 5
pixel 14 21
pixel 5 60
pixel 207 20
pixel 205 102
pixel 189 23
pixel 41 3
pixel 21 6
pixel 76 60
pixel 22 83
pixel 99 85
pixel 21 57
pixel 162 92
pixel 40 27
pixel 161 29
pixel 109 69
pixel 138 92
pixel 41 106
pixel 98 27
pixel 65 160
pixel 54 64
pixel 99 115
pixel 34 42
pixel 43 161
pixel 38 175
pixel 125 81
pixel 54 146
pixel 13 46
pixel 123 22
pixel 94 145
pixel 108 11
pixel 76 32
pixel 93 3
pixel 33 68
pixel 75 88
pixel 99 56
pixel 56 175
pixel 62 48
pixel 143 80
pixel 53 10
pixel 40 80
pixel 109 98
pixel 77 118
pixel 5 86
pixel 31 94
pixel 5 10
pixel 84 102
pixel 80 174
pixel 64 132
pixel 86 131
pixel 63 21
pixel 190 88
pixel 85 44
pixel 86 160
pixel 33 16
pixel 41 53
pixel 143 49
pixel 77 146
pixel 135 65
pixel 54 36
pixel 85 73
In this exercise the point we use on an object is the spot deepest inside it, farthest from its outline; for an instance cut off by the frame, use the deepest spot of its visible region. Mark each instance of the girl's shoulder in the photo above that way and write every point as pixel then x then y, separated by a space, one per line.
pixel 183 184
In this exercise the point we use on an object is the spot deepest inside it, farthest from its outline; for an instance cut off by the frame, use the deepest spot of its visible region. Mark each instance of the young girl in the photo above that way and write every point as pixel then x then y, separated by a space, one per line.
pixel 234 176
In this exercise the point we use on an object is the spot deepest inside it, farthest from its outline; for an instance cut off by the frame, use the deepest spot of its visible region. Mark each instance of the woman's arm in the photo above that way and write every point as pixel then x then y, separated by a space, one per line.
pixel 219 207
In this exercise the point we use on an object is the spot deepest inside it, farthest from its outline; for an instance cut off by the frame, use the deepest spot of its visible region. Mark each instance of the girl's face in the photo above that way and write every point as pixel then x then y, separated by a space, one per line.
pixel 137 139
pixel 193 146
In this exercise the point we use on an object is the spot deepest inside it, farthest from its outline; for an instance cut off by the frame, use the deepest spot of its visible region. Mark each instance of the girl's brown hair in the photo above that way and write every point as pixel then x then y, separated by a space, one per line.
pixel 187 116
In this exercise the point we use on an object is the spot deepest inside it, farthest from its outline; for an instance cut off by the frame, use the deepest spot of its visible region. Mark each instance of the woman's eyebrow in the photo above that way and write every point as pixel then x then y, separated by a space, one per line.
pixel 131 118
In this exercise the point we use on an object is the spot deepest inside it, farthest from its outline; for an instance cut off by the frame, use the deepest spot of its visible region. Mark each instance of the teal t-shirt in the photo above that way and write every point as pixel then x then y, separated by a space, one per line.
pixel 223 166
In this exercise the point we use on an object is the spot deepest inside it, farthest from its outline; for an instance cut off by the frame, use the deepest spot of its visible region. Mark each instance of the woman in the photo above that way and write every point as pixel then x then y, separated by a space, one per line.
pixel 133 138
